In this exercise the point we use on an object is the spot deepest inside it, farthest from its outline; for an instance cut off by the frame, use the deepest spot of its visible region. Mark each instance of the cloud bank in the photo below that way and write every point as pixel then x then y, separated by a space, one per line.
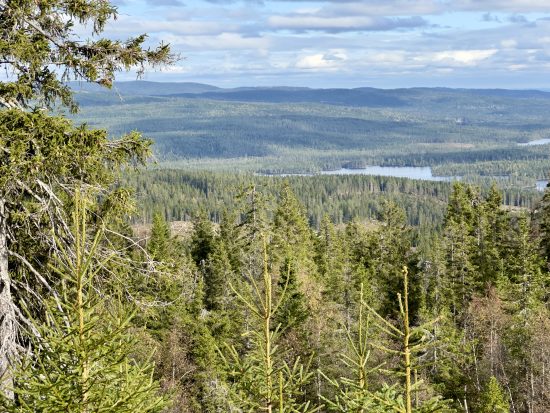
pixel 466 43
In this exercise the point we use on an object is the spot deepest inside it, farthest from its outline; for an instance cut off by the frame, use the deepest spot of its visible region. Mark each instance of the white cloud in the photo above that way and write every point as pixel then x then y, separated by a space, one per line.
pixel 390 57
pixel 293 40
pixel 223 41
pixel 509 43
pixel 321 61
pixel 517 67
pixel 462 57
pixel 512 6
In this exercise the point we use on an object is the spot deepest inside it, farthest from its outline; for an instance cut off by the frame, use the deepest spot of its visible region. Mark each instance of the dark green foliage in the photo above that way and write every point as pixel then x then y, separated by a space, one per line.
pixel 544 223
pixel 203 239
pixel 280 134
pixel 217 276
pixel 236 329
pixel 40 38
pixel 293 310
pixel 392 246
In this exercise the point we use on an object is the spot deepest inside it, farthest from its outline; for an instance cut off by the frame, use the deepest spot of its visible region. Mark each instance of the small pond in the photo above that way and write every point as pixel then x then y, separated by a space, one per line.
pixel 541 185
pixel 534 143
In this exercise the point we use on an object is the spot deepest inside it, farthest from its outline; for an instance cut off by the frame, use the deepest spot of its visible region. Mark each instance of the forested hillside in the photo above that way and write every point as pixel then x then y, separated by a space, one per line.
pixel 179 195
pixel 477 135
pixel 327 128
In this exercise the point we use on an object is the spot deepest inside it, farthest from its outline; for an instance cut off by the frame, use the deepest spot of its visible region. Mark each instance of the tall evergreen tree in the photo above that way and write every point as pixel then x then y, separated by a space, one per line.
pixel 41 49
pixel 524 284
pixel 492 220
pixel 544 223
pixel 202 239
pixel 389 245
pixel 217 276
pixel 262 380
pixel 460 244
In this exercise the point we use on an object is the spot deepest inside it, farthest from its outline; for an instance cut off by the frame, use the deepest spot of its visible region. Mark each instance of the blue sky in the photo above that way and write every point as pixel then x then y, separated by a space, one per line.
pixel 348 43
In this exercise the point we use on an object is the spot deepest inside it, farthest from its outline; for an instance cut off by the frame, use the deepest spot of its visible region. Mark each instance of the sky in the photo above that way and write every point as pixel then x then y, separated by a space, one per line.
pixel 347 43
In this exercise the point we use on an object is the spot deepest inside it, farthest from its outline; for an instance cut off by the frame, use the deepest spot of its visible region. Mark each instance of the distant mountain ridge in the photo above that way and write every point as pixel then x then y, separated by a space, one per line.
pixel 358 97
pixel 145 88
pixel 310 129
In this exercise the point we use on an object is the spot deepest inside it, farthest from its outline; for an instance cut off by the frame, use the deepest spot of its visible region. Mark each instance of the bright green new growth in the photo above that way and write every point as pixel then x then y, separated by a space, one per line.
pixel 80 359
pixel 355 396
pixel 43 158
pixel 493 399
pixel 262 380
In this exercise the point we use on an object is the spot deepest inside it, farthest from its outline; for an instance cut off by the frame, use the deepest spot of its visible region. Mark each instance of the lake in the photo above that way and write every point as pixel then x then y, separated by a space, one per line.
pixel 412 172
pixel 537 142
pixel 541 185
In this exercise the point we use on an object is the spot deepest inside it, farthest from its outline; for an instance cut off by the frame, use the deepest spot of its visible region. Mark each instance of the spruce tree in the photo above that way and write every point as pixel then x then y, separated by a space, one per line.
pixel 81 358
pixel 493 399
pixel 460 243
pixel 544 223
pixel 42 156
pixel 524 283
pixel 293 310
pixel 217 276
pixel 261 380
pixel 389 245
pixel 202 239
pixel 492 220
pixel 157 244
pixel 356 395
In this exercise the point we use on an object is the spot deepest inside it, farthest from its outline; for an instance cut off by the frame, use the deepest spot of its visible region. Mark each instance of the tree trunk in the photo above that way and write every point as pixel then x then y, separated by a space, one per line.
pixel 8 327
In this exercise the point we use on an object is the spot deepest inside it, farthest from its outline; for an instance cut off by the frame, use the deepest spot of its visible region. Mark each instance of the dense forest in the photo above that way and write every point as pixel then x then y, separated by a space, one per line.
pixel 298 294
pixel 179 195
pixel 304 320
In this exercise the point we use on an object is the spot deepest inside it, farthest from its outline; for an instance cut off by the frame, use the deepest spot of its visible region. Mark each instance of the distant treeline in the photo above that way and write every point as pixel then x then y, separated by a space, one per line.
pixel 180 195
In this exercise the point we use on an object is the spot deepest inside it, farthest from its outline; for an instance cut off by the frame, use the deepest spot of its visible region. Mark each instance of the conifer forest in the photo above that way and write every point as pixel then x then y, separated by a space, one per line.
pixel 145 274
